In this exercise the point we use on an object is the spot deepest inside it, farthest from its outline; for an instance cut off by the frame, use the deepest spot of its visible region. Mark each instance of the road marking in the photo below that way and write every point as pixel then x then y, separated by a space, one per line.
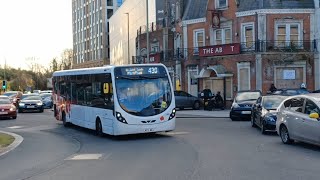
pixel 15 127
pixel 85 157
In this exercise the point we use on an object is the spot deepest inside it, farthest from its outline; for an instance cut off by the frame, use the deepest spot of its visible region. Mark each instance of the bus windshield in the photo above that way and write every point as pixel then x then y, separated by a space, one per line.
pixel 144 95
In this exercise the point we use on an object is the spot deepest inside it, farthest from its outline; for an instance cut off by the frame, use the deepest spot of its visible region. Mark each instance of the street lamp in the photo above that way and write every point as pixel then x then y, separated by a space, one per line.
pixel 128 37
pixel 147 8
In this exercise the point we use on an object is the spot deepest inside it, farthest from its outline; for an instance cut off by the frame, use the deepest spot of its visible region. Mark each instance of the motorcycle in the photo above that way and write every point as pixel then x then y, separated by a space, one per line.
pixel 213 102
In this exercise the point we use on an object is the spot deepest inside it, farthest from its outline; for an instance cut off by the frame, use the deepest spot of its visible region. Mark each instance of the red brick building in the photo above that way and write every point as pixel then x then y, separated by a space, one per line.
pixel 232 45
pixel 276 46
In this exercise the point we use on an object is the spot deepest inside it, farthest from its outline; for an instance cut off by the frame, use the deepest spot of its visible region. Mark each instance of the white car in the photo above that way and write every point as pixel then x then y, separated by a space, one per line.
pixel 298 119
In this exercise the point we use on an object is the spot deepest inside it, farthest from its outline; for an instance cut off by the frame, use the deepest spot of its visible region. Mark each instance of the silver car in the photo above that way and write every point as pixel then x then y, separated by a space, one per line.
pixel 186 100
pixel 298 119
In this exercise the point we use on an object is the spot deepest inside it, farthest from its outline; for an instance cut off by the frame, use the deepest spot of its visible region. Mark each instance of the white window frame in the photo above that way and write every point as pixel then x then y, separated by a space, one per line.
pixel 231 88
pixel 155 47
pixel 243 35
pixel 195 40
pixel 243 65
pixel 287 24
pixel 223 35
pixel 221 7
pixel 190 70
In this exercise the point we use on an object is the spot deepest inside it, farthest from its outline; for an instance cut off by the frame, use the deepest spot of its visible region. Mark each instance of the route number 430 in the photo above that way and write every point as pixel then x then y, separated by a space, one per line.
pixel 153 70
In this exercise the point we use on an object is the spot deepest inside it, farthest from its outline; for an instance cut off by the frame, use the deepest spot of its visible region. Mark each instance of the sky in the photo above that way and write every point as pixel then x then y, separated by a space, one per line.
pixel 41 29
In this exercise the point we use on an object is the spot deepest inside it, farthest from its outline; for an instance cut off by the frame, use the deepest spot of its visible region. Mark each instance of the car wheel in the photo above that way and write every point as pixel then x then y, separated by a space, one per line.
pixel 41 110
pixel 196 105
pixel 284 135
pixel 253 124
pixel 20 111
pixel 263 129
pixel 14 117
pixel 99 131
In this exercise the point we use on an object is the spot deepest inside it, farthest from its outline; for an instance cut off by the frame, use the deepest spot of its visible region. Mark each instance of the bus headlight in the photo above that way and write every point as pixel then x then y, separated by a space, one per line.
pixel 120 118
pixel 173 114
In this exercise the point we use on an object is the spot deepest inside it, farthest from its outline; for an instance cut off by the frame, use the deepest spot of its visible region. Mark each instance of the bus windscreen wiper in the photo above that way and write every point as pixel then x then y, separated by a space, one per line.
pixel 129 77
pixel 151 77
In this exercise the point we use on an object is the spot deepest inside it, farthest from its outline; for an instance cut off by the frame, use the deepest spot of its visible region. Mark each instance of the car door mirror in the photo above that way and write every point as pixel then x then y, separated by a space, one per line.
pixel 259 105
pixel 314 115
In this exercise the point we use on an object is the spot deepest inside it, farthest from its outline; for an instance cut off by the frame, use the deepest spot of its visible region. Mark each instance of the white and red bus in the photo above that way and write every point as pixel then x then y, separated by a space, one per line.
pixel 116 100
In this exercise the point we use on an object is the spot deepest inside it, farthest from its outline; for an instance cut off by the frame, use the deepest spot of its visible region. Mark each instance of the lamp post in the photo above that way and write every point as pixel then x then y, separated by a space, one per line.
pixel 128 37
pixel 147 8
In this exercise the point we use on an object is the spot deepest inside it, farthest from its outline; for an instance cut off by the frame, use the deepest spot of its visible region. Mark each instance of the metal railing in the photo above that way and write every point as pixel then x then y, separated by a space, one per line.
pixel 180 54
pixel 279 46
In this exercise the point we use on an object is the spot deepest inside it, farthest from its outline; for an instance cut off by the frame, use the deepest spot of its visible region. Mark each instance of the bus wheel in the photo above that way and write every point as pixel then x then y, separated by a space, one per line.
pixel 65 123
pixel 99 128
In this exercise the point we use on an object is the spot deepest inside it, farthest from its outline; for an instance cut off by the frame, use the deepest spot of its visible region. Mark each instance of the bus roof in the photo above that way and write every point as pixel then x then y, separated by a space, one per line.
pixel 97 70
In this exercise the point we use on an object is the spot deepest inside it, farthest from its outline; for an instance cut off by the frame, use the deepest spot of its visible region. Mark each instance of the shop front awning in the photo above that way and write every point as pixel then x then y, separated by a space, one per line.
pixel 219 70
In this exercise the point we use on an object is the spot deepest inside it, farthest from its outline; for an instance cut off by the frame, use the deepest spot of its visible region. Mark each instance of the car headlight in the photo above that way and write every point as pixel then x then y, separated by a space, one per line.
pixel 264 112
pixel 269 118
pixel 39 103
pixel 13 108
pixel 21 104
pixel 235 105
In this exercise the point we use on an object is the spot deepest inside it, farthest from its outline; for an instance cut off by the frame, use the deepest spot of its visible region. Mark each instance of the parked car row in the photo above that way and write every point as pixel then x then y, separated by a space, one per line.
pixel 292 113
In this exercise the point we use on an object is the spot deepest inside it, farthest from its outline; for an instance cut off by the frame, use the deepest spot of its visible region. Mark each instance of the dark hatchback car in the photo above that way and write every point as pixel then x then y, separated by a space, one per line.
pixel 186 100
pixel 290 92
pixel 264 112
pixel 31 102
pixel 242 104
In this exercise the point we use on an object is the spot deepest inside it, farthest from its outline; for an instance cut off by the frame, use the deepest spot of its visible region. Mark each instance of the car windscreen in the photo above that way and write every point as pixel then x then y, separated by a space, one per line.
pixel 247 96
pixel 10 94
pixel 5 101
pixel 32 98
pixel 272 102
pixel 45 95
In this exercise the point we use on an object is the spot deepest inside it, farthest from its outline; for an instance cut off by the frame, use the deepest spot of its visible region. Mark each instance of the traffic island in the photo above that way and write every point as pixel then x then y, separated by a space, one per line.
pixel 5 140
pixel 9 141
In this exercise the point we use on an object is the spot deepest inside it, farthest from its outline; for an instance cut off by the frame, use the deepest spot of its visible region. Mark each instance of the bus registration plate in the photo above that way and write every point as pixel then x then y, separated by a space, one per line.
pixel 149 130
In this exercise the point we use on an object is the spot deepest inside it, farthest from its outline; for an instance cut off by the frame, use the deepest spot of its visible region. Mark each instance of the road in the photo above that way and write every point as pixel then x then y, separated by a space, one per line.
pixel 200 148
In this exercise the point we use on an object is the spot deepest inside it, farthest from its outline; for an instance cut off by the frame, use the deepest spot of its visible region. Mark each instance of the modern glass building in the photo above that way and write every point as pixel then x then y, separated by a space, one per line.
pixel 90 20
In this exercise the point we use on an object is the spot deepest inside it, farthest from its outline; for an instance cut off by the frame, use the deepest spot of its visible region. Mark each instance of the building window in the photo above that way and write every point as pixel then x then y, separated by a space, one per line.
pixel 119 2
pixel 198 40
pixel 247 36
pixel 221 3
pixel 288 34
pixel 143 52
pixel 154 47
pixel 243 76
pixel 222 36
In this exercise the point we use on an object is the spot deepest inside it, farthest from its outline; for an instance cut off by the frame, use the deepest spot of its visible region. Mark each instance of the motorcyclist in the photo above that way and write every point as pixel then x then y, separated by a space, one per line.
pixel 206 95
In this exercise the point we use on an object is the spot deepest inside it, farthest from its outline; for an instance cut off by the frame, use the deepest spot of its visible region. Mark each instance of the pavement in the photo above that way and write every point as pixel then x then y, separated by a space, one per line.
pixel 203 113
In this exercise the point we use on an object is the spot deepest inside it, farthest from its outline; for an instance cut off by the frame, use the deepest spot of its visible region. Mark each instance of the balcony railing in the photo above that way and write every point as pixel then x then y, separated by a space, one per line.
pixel 180 54
pixel 279 46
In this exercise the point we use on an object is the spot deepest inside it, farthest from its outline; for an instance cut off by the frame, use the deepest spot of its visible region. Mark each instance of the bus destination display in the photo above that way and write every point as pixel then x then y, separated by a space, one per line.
pixel 139 70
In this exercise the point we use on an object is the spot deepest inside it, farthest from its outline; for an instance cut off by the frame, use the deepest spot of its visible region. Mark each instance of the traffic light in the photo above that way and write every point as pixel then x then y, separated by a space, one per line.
pixel 4 84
